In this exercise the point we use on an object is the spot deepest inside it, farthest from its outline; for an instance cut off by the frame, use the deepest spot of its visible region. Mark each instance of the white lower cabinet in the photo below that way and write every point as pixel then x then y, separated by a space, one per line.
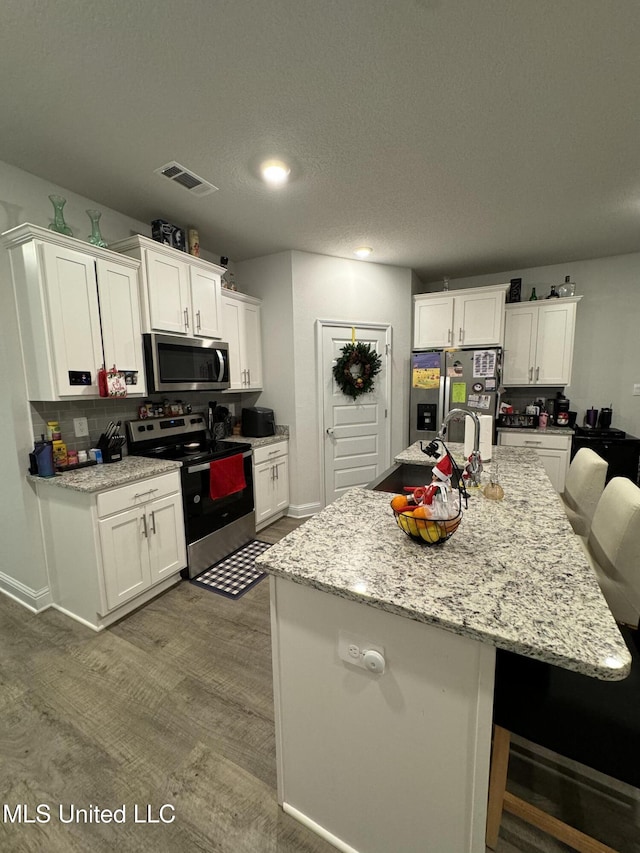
pixel 109 552
pixel 270 482
pixel 553 449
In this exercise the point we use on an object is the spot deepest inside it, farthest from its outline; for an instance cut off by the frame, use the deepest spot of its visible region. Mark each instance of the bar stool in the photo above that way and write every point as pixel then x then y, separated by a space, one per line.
pixel 584 485
pixel 613 549
pixel 593 722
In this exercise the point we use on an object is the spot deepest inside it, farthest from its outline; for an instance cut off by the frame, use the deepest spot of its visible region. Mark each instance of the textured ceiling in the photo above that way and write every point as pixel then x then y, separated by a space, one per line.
pixel 453 136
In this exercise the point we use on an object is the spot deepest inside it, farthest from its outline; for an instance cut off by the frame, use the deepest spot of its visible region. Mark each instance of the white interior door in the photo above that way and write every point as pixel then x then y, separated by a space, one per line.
pixel 355 432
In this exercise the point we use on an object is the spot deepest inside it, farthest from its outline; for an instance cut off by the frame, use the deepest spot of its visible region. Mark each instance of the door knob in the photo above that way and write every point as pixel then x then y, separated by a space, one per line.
pixel 329 430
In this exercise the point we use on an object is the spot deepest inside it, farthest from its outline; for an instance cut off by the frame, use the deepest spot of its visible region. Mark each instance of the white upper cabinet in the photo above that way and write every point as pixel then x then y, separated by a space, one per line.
pixel 538 342
pixel 241 326
pixel 181 294
pixel 460 318
pixel 78 308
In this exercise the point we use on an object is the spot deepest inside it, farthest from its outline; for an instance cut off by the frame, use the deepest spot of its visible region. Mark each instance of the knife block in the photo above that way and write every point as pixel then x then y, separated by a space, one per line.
pixel 109 454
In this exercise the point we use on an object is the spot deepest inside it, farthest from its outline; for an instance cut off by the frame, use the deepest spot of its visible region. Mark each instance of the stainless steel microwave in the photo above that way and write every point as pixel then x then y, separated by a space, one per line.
pixel 173 363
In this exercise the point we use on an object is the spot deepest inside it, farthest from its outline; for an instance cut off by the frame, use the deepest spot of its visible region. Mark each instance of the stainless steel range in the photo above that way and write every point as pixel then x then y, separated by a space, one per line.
pixel 215 527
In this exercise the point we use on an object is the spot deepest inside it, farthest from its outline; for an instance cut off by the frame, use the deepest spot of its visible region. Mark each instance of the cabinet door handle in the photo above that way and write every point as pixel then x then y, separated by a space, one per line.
pixel 537 373
pixel 153 522
pixel 249 377
pixel 531 374
pixel 142 494
pixel 329 430
pixel 449 336
pixel 532 441
pixel 144 527
pixel 198 323
pixel 460 335
pixel 276 470
pixel 186 318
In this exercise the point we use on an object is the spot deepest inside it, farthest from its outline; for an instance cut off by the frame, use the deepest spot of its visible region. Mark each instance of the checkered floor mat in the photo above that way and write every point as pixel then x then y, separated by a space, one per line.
pixel 236 574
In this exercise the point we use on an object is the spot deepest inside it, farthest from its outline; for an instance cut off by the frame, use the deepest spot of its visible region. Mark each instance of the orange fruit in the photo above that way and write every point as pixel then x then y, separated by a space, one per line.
pixel 422 511
pixel 399 503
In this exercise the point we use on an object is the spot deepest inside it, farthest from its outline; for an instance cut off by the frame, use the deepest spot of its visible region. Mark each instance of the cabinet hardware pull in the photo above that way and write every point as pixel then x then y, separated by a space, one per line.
pixel 153 521
pixel 276 470
pixel 531 374
pixel 460 335
pixel 144 526
pixel 249 376
pixel 142 494
pixel 199 324
pixel 329 430
pixel 186 318
pixel 449 335
pixel 531 441
pixel 537 373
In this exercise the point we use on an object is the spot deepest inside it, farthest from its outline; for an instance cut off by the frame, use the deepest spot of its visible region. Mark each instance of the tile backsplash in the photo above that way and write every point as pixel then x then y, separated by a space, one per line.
pixel 99 412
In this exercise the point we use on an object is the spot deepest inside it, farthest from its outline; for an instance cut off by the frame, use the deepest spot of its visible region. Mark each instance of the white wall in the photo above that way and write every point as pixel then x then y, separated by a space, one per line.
pixel 606 361
pixel 300 288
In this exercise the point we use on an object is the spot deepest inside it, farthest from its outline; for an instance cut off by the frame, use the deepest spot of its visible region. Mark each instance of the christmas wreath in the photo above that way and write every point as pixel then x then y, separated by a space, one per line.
pixel 355 369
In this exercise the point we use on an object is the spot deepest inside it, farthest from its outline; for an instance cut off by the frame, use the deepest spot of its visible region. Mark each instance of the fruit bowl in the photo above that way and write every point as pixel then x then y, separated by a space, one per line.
pixel 426 531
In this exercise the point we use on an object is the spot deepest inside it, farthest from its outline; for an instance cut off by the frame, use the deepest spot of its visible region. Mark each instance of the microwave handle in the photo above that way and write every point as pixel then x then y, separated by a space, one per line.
pixel 222 364
pixel 194 469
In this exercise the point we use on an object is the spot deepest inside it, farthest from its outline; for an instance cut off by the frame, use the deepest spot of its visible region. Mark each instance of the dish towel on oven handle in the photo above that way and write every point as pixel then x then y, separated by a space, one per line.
pixel 226 476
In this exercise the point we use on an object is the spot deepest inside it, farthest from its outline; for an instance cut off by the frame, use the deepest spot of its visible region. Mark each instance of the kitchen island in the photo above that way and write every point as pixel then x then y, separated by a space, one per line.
pixel 399 760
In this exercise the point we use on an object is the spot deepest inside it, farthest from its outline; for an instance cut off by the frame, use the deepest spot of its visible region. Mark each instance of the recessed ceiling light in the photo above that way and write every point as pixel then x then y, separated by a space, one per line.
pixel 363 251
pixel 275 172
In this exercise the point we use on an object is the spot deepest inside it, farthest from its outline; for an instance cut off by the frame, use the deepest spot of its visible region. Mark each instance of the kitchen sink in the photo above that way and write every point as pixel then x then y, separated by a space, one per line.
pixel 402 474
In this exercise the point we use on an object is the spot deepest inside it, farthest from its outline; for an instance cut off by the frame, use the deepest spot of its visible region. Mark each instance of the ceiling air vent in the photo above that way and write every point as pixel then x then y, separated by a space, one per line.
pixel 189 180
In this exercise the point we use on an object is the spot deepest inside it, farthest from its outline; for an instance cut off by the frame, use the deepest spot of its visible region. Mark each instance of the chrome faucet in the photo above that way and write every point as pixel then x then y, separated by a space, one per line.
pixel 475 462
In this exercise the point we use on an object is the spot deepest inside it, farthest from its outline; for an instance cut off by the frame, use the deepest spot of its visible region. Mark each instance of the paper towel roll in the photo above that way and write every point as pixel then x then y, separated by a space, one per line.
pixel 486 436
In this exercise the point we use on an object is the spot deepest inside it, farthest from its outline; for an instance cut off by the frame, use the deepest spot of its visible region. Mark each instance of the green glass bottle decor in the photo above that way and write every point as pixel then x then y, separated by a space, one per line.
pixel 533 297
pixel 58 223
pixel 95 238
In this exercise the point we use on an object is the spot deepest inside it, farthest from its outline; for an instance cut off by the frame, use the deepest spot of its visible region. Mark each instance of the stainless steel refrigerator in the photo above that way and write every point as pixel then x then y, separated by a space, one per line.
pixel 442 380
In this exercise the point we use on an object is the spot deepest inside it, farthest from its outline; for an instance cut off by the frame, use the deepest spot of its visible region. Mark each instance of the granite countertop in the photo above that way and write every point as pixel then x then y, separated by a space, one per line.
pixel 550 430
pixel 97 478
pixel 513 575
pixel 259 442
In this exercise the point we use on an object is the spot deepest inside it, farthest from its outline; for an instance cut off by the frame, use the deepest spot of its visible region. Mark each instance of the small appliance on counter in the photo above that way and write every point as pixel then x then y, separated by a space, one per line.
pixel 218 421
pixel 41 459
pixel 605 417
pixel 560 410
pixel 258 422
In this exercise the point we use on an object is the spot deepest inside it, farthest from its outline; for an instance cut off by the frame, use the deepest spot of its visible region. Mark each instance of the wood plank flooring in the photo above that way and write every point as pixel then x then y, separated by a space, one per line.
pixel 173 705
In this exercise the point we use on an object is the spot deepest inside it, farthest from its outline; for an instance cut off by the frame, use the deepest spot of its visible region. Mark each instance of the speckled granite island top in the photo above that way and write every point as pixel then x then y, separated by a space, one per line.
pixel 96 478
pixel 513 575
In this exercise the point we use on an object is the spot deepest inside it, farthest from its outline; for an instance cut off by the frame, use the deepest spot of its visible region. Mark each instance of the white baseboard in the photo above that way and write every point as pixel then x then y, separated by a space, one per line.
pixel 35 600
pixel 303 510
pixel 338 843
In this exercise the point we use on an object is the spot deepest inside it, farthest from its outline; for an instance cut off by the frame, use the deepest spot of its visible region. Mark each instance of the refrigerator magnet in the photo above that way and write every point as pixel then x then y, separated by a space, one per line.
pixel 477 387
pixel 490 383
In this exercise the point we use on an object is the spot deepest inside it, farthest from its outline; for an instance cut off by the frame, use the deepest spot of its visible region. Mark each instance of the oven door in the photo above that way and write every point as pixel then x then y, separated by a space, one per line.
pixel 204 516
pixel 173 363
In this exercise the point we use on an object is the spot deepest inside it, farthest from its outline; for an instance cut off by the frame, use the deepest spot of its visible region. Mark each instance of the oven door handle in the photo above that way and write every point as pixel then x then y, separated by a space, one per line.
pixel 205 465
pixel 221 360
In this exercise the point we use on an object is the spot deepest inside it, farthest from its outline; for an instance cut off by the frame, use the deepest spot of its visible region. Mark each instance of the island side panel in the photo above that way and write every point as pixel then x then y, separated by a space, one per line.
pixel 375 763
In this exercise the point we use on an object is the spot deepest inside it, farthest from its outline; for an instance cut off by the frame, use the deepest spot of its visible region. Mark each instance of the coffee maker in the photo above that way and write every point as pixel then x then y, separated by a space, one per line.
pixel 560 410
pixel 604 419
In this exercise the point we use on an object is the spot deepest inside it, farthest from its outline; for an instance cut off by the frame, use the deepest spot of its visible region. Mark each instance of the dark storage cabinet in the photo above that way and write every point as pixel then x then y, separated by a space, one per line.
pixel 622 453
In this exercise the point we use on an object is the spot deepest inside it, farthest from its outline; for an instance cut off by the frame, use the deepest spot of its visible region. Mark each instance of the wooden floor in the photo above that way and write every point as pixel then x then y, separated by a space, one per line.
pixel 172 705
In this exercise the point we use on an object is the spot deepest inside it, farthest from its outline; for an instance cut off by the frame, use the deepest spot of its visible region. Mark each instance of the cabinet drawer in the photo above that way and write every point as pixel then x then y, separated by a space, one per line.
pixel 268 452
pixel 135 494
pixel 535 440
